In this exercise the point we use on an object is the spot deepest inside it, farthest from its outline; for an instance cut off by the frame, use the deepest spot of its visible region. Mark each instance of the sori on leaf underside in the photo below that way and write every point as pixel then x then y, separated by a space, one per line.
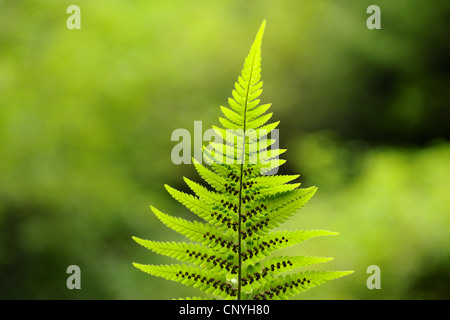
pixel 229 252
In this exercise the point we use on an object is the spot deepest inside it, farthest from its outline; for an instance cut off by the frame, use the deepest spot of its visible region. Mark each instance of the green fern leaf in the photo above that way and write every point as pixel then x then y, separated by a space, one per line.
pixel 229 255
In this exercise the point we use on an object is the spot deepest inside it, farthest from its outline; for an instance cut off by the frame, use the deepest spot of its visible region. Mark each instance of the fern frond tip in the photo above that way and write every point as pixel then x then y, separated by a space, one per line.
pixel 262 27
pixel 136 239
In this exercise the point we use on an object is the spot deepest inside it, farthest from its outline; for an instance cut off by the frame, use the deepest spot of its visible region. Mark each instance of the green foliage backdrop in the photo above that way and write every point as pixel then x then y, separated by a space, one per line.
pixel 86 118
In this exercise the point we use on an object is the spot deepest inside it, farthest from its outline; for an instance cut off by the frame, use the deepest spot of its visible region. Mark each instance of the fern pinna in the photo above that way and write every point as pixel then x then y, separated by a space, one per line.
pixel 228 256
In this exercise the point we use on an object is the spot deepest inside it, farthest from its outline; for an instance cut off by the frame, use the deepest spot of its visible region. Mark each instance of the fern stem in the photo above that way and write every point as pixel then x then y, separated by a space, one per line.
pixel 241 179
pixel 240 196
pixel 239 235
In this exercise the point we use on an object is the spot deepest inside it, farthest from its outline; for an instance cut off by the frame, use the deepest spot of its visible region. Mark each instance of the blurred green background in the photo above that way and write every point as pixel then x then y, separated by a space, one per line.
pixel 86 118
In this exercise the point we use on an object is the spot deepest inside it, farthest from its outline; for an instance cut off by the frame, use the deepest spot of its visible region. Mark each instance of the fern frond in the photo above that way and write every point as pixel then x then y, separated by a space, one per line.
pixel 261 247
pixel 209 211
pixel 193 253
pixel 282 264
pixel 287 204
pixel 285 287
pixel 265 273
pixel 216 283
pixel 207 234
pixel 230 248
pixel 214 180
